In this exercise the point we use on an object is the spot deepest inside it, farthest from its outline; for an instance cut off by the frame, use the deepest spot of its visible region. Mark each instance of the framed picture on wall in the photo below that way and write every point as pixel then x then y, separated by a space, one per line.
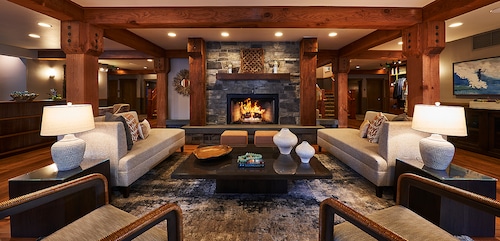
pixel 477 77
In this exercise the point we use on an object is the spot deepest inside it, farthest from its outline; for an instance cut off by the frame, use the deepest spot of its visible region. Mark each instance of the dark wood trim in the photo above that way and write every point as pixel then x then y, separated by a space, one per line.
pixel 253 76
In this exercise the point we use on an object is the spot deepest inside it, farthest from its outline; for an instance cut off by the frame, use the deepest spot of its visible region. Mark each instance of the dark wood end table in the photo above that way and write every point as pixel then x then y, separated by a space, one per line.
pixel 450 215
pixel 272 178
pixel 50 217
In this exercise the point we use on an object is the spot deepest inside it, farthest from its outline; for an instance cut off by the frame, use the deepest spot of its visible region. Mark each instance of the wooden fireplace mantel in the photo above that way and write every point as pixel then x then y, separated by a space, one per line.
pixel 253 76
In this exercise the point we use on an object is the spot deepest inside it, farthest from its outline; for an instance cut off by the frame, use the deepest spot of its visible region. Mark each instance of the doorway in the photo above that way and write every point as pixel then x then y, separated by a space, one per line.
pixel 374 94
pixel 123 91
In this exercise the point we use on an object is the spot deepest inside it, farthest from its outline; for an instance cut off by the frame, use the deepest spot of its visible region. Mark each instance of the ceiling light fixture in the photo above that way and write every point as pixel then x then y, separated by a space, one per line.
pixel 454 25
pixel 172 34
pixel 357 66
pixel 496 10
pixel 45 25
pixel 34 35
pixel 224 34
pixel 149 60
pixel 400 43
pixel 332 34
pixel 278 34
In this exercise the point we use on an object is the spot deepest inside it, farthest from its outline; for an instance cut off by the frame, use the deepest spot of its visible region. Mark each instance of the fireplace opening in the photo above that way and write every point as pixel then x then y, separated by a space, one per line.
pixel 252 108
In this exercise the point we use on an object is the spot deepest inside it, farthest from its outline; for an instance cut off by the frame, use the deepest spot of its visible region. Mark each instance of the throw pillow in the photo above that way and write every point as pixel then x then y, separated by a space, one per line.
pixel 374 128
pixel 401 117
pixel 145 128
pixel 133 125
pixel 363 128
pixel 111 117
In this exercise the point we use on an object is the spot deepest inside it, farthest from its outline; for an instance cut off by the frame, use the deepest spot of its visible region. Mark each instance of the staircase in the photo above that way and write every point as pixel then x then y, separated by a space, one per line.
pixel 329 99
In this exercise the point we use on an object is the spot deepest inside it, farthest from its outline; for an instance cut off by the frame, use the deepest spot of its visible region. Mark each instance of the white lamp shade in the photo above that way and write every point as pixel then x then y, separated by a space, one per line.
pixel 66 119
pixel 436 119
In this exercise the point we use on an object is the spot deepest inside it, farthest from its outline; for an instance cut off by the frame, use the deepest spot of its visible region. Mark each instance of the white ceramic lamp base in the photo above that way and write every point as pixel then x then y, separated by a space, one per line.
pixel 437 153
pixel 67 153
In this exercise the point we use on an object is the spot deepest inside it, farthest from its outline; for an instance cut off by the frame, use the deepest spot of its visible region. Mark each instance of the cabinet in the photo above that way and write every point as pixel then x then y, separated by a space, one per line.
pixel 20 126
pixel 483 132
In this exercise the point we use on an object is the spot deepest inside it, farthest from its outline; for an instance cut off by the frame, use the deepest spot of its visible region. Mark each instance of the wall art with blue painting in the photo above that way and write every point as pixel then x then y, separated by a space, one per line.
pixel 477 77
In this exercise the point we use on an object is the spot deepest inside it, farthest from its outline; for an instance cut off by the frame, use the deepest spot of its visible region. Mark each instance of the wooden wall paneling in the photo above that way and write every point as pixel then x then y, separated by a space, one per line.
pixel 308 61
pixel 197 67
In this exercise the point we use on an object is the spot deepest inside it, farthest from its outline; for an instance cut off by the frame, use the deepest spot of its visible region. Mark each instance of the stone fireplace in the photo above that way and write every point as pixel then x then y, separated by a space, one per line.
pixel 252 108
pixel 221 54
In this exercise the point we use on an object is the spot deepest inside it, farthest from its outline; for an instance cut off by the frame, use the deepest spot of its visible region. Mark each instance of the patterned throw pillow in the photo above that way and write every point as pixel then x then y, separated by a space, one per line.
pixel 128 136
pixel 144 128
pixel 133 125
pixel 363 128
pixel 375 126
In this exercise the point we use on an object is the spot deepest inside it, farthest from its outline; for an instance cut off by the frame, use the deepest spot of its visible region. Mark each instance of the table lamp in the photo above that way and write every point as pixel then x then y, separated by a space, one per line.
pixel 67 153
pixel 438 120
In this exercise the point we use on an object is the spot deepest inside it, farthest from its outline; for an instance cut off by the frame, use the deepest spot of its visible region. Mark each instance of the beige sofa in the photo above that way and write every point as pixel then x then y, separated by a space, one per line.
pixel 374 161
pixel 108 140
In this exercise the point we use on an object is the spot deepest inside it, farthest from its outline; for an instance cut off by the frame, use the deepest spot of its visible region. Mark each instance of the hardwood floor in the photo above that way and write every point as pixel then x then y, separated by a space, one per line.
pixel 25 162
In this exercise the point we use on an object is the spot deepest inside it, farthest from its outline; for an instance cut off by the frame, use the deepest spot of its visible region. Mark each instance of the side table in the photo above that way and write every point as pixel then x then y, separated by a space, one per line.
pixel 450 215
pixel 52 216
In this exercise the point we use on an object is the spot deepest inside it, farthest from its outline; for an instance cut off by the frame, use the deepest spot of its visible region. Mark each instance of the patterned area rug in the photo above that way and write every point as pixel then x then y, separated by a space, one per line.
pixel 211 216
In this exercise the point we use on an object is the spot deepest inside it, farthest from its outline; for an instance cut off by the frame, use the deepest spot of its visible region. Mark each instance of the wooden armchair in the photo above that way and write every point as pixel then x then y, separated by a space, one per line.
pixel 397 222
pixel 105 222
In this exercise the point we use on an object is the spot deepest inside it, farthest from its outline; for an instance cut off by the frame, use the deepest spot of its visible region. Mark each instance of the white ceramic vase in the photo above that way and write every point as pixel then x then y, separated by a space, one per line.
pixel 285 140
pixel 305 151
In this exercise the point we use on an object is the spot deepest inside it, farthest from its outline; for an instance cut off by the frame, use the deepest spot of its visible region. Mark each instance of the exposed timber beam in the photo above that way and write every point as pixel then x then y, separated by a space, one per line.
pixel 255 17
pixel 369 41
pixel 63 10
pixel 124 54
pixel 134 41
pixel 441 10
pixel 379 54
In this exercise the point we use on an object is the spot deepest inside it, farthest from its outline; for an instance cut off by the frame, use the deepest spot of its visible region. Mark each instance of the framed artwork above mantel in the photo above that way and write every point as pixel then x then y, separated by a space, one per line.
pixel 480 77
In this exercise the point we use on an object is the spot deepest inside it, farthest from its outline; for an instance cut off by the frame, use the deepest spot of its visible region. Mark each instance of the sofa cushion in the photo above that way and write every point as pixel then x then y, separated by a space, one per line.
pixel 363 128
pixel 144 129
pixel 348 140
pixel 374 128
pixel 111 117
pixel 133 126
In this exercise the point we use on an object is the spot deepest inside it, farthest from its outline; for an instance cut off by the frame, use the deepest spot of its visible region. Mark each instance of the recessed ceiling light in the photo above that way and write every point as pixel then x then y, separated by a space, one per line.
pixel 278 34
pixel 332 34
pixel 172 34
pixel 454 25
pixel 496 10
pixel 145 67
pixel 150 60
pixel 400 42
pixel 224 34
pixel 357 66
pixel 45 25
pixel 34 35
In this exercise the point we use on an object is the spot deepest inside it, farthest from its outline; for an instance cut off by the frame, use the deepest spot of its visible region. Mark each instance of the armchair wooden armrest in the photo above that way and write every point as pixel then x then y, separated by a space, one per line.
pixel 131 228
pixel 372 225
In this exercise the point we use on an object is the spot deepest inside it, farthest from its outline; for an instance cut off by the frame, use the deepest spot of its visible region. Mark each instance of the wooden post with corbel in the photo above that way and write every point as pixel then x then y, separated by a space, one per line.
pixel 82 43
pixel 422 44
pixel 162 67
pixel 197 68
pixel 308 62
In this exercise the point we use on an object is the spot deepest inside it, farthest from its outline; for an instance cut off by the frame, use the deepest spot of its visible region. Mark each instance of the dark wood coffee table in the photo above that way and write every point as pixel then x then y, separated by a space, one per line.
pixel 272 178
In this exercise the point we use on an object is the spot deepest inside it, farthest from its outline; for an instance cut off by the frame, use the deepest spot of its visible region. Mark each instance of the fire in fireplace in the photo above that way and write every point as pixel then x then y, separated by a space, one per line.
pixel 252 108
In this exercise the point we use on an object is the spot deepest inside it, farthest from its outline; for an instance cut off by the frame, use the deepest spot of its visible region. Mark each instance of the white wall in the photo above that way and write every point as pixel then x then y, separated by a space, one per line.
pixel 457 51
pixel 12 76
pixel 178 105
pixel 38 79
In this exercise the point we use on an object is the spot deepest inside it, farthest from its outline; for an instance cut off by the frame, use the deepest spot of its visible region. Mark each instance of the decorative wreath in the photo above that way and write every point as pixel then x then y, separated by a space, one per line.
pixel 182 83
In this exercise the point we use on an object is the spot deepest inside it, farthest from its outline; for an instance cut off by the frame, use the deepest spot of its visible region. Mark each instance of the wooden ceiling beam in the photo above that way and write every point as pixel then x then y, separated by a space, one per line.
pixel 255 17
pixel 63 10
pixel 379 54
pixel 441 10
pixel 369 41
pixel 134 41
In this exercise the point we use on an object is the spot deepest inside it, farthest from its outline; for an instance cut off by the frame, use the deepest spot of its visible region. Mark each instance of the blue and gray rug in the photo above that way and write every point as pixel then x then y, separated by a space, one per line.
pixel 209 216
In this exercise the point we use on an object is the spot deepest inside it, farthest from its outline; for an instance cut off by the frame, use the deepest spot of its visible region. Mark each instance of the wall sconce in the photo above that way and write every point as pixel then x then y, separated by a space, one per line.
pixel 52 73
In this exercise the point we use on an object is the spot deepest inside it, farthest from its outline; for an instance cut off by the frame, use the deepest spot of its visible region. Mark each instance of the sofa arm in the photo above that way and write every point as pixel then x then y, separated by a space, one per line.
pixel 398 140
pixel 106 141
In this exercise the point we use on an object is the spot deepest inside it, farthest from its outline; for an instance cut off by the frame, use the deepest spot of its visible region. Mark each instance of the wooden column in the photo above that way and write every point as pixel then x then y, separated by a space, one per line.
pixel 422 44
pixel 82 43
pixel 308 62
pixel 342 91
pixel 162 67
pixel 197 67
